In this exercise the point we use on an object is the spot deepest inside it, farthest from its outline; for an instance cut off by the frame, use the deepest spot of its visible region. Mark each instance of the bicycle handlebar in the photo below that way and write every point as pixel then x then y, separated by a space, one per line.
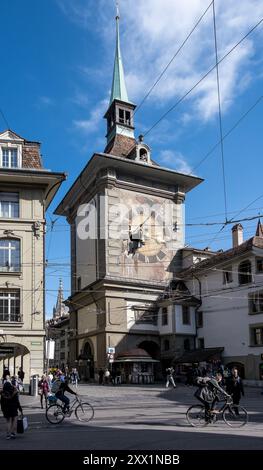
pixel 229 400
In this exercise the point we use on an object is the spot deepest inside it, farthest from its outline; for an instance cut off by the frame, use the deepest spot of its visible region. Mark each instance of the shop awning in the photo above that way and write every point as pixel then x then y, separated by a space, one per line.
pixel 200 355
pixel 134 355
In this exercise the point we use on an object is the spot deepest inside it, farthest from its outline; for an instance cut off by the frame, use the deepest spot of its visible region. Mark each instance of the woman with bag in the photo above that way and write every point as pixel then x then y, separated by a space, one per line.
pixel 44 390
pixel 10 405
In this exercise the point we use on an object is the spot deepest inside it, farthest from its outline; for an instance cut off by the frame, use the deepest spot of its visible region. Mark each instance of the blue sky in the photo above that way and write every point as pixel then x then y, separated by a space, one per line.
pixel 56 62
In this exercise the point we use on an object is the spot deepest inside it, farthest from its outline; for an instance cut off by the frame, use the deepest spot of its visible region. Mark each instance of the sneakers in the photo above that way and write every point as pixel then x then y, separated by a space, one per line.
pixel 13 435
pixel 8 436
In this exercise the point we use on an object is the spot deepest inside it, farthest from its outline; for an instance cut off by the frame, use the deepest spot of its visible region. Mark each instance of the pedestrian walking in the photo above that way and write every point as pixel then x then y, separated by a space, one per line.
pixel 74 376
pixel 15 382
pixel 6 374
pixel 101 375
pixel 21 375
pixel 170 377
pixel 10 406
pixel 50 378
pixel 118 377
pixel 107 376
pixel 234 386
pixel 44 389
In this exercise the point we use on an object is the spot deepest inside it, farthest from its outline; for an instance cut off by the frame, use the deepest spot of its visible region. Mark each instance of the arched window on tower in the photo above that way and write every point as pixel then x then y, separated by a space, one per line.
pixel 124 116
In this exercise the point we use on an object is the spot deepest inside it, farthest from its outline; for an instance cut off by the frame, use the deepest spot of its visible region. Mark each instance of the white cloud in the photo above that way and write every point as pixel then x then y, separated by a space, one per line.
pixel 152 31
pixel 78 11
pixel 80 98
pixel 175 160
pixel 162 28
pixel 45 101
pixel 91 124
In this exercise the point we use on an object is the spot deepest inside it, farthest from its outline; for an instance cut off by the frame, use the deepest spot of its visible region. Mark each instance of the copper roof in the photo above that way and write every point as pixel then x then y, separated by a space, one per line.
pixel 138 352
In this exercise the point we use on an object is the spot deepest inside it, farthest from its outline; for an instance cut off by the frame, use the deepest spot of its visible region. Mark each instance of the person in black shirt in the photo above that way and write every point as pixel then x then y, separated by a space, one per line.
pixel 21 374
pixel 209 393
pixel 234 386
pixel 10 405
pixel 60 394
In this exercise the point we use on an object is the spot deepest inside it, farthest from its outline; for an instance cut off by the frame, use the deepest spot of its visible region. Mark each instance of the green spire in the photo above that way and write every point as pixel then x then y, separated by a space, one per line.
pixel 118 89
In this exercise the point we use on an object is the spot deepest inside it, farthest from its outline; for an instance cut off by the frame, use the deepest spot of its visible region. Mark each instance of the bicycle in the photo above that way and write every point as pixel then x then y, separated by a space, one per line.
pixel 84 412
pixel 233 415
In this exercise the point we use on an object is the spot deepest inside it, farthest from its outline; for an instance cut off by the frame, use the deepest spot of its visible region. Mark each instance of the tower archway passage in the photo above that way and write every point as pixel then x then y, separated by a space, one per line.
pixel 86 362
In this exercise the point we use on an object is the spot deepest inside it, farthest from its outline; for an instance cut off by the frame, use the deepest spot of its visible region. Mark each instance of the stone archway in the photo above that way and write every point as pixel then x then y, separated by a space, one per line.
pixel 151 348
pixel 15 356
pixel 86 362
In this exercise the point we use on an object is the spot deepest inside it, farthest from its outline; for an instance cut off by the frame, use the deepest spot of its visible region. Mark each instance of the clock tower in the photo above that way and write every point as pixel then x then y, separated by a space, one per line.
pixel 126 215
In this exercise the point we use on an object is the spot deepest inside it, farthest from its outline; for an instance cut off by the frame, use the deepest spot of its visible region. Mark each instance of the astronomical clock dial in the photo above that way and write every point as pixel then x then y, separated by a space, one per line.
pixel 150 232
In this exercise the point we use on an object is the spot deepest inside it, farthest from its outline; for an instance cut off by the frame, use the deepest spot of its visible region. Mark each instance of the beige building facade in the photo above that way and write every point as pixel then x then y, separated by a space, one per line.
pixel 26 190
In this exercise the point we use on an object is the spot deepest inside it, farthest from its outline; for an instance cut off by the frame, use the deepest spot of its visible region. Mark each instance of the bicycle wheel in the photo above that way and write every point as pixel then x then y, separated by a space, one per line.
pixel 54 414
pixel 195 416
pixel 84 412
pixel 235 416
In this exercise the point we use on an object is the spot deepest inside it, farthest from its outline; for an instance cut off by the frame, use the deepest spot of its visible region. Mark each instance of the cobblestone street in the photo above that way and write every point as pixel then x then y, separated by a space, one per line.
pixel 137 417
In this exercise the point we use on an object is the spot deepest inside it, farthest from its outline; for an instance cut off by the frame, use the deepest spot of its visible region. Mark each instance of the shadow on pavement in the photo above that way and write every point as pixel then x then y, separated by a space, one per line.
pixel 76 436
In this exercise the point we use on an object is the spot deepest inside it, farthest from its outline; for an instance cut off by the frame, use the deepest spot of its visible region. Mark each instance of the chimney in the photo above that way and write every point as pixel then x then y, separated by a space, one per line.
pixel 237 235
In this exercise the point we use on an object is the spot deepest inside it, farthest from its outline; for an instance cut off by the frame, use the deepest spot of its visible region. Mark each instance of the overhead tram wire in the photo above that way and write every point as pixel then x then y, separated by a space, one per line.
pixel 4 119
pixel 236 215
pixel 227 134
pixel 172 59
pixel 250 204
pixel 219 111
pixel 203 77
pixel 169 63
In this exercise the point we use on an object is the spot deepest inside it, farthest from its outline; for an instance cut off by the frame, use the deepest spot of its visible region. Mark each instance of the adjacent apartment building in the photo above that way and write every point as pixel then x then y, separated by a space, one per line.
pixel 229 317
pixel 26 191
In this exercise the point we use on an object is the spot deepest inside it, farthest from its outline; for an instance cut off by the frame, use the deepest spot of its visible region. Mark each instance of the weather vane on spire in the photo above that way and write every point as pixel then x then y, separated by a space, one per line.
pixel 117 10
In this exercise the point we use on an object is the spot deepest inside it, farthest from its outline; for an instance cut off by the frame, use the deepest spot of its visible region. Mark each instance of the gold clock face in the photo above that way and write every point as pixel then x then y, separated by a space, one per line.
pixel 153 249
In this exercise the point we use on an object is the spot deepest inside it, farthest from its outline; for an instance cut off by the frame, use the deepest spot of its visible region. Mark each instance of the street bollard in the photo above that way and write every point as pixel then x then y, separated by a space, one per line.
pixel 34 385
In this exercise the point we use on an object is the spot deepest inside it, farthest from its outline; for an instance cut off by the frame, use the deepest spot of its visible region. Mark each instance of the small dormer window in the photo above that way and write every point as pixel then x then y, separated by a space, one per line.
pixel 9 157
pixel 143 155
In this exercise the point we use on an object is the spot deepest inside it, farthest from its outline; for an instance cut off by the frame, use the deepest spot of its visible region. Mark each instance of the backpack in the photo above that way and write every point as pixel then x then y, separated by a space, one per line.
pixel 55 386
pixel 205 390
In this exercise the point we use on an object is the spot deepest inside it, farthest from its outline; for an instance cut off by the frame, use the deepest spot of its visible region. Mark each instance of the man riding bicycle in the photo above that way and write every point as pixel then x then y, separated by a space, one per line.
pixel 59 387
pixel 209 392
